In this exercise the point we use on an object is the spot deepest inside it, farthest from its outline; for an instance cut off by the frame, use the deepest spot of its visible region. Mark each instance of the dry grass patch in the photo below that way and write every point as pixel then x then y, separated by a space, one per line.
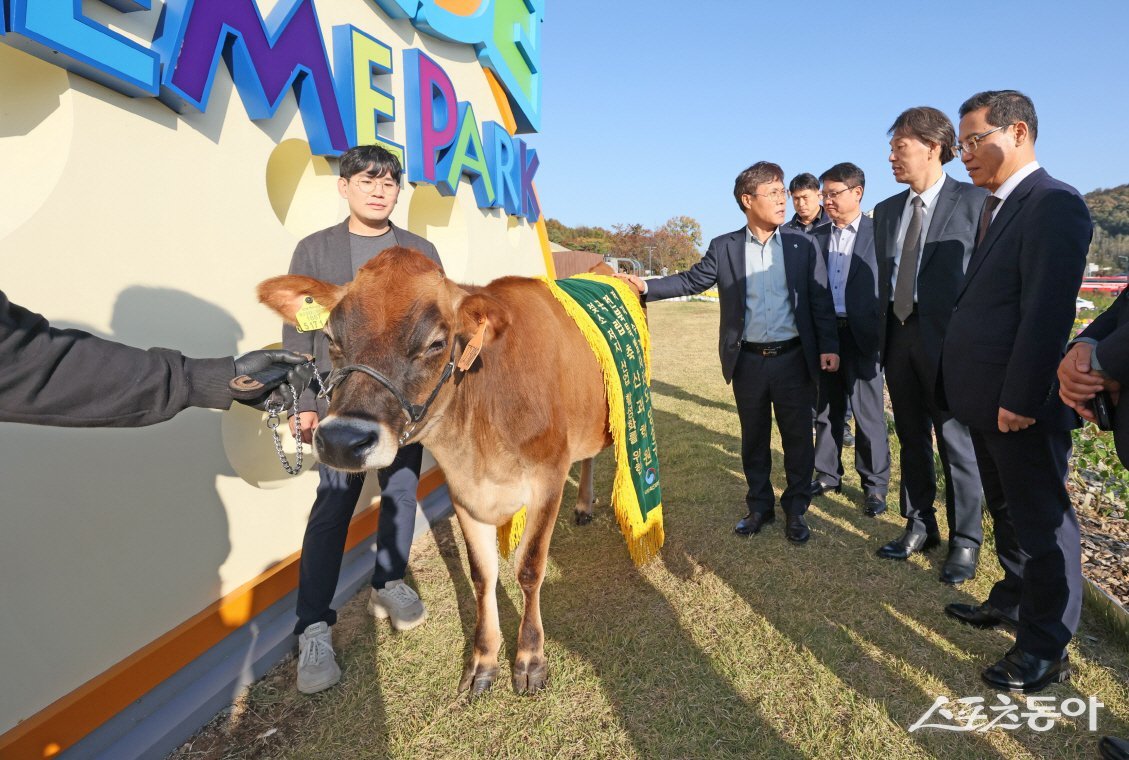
pixel 723 647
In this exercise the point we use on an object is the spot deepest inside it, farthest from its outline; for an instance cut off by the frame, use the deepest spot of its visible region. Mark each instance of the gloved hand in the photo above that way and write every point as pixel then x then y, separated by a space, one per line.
pixel 270 372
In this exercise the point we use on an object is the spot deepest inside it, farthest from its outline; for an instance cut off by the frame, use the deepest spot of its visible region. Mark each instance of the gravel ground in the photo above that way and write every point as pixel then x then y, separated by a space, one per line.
pixel 1105 543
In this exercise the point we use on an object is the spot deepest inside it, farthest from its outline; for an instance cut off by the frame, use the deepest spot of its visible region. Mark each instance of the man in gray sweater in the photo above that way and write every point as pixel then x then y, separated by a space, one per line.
pixel 370 182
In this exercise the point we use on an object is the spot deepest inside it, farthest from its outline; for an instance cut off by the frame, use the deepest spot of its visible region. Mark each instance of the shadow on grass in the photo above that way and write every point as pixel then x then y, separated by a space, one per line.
pixel 875 627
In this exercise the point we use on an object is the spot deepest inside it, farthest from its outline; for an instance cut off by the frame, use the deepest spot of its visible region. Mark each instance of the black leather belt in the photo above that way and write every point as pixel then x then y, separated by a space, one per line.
pixel 770 349
pixel 842 322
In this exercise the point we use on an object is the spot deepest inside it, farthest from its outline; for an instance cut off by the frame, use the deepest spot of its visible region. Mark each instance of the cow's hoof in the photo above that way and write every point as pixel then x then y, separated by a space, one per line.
pixel 477 679
pixel 583 518
pixel 531 677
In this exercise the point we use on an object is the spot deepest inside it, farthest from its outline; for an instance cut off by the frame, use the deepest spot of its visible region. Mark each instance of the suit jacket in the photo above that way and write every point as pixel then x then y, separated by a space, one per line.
pixel 1016 307
pixel 1111 331
pixel 861 292
pixel 724 265
pixel 948 249
pixel 327 255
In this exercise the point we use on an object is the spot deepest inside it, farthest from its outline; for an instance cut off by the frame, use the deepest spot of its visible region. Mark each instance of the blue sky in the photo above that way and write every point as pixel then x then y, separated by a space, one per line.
pixel 652 108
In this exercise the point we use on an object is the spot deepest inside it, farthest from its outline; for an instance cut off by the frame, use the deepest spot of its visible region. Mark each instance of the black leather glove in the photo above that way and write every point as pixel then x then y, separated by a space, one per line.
pixel 271 372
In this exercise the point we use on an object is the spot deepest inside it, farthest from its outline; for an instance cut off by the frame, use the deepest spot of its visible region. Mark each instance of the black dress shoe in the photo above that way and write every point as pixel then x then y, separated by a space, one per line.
pixel 1023 672
pixel 981 616
pixel 752 523
pixel 818 488
pixel 874 505
pixel 797 529
pixel 961 565
pixel 908 543
pixel 1113 748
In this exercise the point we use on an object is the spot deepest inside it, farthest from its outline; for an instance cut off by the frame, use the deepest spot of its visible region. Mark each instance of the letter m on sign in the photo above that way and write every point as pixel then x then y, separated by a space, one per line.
pixel 265 57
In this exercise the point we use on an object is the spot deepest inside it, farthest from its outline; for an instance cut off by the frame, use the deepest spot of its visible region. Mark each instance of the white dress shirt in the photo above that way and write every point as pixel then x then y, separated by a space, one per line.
pixel 1009 184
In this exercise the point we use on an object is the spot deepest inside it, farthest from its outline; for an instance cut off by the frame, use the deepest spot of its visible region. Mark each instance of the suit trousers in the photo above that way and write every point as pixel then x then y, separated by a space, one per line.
pixel 1036 533
pixel 859 381
pixel 916 418
pixel 323 546
pixel 763 385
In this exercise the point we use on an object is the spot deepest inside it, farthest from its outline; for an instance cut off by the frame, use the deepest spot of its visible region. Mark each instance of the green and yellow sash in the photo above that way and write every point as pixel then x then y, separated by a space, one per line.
pixel 612 321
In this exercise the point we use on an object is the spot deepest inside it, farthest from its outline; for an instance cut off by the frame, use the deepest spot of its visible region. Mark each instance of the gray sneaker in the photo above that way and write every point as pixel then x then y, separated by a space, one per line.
pixel 399 602
pixel 317 668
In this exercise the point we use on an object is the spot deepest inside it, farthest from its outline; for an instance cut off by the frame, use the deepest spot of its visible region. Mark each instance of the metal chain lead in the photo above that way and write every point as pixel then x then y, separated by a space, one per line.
pixel 273 421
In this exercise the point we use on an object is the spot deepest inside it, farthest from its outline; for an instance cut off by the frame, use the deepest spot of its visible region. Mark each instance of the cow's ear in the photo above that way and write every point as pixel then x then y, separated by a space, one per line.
pixel 289 293
pixel 478 309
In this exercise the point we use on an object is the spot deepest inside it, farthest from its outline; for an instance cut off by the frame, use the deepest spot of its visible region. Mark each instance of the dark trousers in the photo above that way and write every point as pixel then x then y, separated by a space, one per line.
pixel 324 543
pixel 1036 532
pixel 859 382
pixel 910 378
pixel 763 385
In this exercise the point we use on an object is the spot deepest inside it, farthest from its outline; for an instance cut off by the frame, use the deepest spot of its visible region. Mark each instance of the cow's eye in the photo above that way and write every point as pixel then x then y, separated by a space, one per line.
pixel 436 345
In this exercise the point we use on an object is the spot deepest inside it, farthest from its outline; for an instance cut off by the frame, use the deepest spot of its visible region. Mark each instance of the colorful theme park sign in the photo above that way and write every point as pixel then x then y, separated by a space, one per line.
pixel 340 104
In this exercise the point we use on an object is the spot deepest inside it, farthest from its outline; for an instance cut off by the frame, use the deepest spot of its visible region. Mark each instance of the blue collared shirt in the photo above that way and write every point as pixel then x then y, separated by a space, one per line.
pixel 842 247
pixel 768 305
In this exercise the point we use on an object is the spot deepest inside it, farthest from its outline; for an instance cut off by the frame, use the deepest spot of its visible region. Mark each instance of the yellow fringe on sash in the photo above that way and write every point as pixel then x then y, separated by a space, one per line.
pixel 644 539
pixel 509 534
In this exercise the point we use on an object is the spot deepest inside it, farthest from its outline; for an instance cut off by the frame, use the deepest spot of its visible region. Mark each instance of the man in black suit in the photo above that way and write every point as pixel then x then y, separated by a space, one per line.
pixel 847 245
pixel 924 237
pixel 1098 360
pixel 804 189
pixel 777 332
pixel 1004 344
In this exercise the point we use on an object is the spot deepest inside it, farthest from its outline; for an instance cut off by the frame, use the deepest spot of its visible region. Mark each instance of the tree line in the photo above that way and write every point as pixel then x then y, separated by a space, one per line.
pixel 1110 210
pixel 676 245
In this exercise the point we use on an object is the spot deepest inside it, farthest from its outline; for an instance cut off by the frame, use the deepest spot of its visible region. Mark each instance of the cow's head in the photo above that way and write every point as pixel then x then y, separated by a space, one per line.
pixel 405 321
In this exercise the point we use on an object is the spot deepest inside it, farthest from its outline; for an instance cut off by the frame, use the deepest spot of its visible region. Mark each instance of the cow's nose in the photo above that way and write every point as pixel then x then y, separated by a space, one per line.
pixel 345 443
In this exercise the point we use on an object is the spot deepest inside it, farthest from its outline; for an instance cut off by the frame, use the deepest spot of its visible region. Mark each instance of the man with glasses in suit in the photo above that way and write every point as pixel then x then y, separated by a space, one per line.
pixel 1012 317
pixel 777 333
pixel 847 243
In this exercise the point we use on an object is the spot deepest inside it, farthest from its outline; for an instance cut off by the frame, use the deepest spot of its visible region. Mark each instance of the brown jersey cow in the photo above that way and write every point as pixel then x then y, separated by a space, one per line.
pixel 505 431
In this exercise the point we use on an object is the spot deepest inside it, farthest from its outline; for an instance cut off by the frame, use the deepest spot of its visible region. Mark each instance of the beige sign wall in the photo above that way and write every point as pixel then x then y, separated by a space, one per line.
pixel 121 217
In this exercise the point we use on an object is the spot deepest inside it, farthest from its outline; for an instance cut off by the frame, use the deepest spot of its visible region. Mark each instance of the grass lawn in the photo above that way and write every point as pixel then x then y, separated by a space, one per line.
pixel 724 646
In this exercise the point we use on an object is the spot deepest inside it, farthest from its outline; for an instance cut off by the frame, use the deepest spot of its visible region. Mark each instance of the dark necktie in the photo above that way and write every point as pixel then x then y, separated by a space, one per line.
pixel 907 268
pixel 986 218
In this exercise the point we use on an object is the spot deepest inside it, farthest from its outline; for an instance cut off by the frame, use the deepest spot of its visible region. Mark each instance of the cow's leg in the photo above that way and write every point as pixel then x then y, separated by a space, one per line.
pixel 585 497
pixel 482 550
pixel 531 671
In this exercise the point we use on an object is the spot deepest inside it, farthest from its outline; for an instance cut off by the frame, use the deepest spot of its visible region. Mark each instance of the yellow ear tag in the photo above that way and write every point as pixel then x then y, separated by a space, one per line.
pixel 470 353
pixel 312 316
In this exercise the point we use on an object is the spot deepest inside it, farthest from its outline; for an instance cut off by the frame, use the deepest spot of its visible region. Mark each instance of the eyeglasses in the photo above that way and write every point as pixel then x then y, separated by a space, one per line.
pixel 972 143
pixel 776 195
pixel 830 195
pixel 369 185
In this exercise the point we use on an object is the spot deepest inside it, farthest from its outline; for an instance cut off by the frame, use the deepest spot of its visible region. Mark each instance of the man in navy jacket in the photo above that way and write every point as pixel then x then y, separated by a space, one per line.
pixel 1003 346
pixel 777 332
pixel 847 245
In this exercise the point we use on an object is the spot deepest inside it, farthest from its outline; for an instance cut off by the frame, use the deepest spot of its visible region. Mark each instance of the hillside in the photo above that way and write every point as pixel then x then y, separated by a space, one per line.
pixel 1110 209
